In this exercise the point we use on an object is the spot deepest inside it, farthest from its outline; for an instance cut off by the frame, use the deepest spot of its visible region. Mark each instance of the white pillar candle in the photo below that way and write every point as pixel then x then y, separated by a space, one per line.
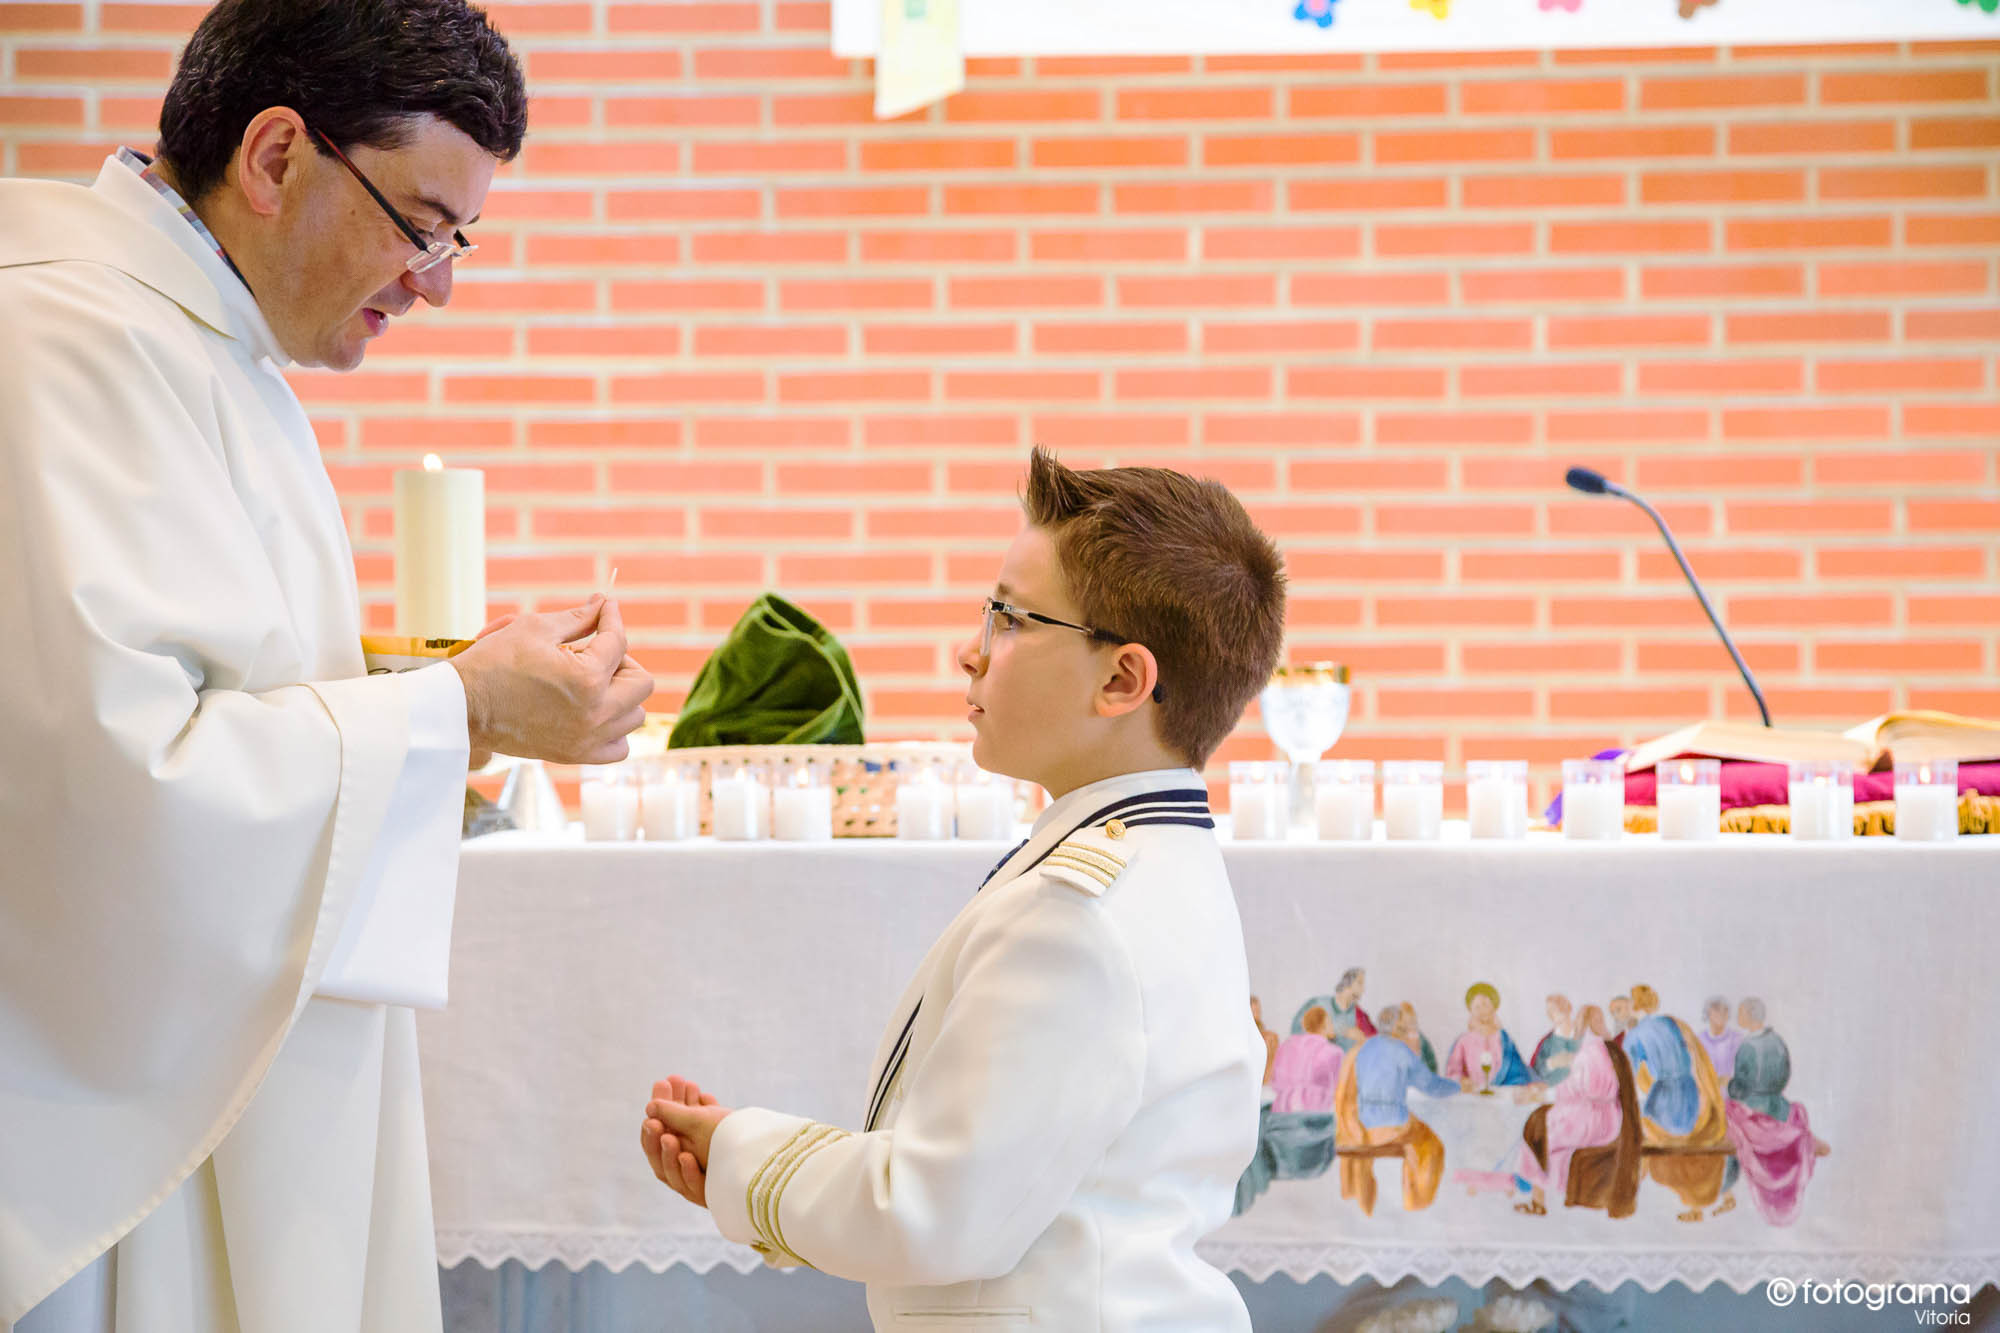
pixel 670 809
pixel 1926 812
pixel 1496 798
pixel 1688 799
pixel 1593 798
pixel 1346 811
pixel 1344 799
pixel 1258 811
pixel 610 809
pixel 802 814
pixel 1690 814
pixel 985 811
pixel 1593 810
pixel 740 808
pixel 440 551
pixel 1412 811
pixel 923 811
pixel 1821 797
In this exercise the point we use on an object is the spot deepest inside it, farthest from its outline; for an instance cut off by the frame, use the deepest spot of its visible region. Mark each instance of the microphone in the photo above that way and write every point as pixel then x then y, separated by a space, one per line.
pixel 1596 483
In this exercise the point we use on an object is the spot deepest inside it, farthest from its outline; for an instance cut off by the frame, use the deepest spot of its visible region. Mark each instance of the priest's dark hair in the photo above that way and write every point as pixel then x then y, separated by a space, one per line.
pixel 357 70
pixel 1174 563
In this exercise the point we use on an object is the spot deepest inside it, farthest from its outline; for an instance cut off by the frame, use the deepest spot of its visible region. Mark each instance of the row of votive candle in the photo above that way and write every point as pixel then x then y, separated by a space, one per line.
pixel 1820 795
pixel 791 801
pixel 1412 799
pixel 1687 799
pixel 1822 800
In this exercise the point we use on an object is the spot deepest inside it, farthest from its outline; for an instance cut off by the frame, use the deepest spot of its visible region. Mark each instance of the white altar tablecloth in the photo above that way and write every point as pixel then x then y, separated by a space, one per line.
pixel 580 973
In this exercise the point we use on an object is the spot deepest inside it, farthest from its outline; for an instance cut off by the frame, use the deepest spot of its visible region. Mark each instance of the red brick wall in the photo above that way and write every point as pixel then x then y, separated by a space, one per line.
pixel 725 332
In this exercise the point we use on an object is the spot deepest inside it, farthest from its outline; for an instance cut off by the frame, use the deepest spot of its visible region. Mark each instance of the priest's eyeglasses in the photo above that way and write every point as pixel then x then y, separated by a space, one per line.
pixel 995 612
pixel 429 253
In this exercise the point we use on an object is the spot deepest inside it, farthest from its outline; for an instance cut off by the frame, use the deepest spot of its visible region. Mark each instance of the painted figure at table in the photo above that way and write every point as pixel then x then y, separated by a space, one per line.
pixel 1622 1017
pixel 1589 1111
pixel 1484 1053
pixel 1720 1038
pixel 1347 1021
pixel 1372 1111
pixel 1772 1136
pixel 1269 1038
pixel 1683 1109
pixel 1307 1068
pixel 1557 1049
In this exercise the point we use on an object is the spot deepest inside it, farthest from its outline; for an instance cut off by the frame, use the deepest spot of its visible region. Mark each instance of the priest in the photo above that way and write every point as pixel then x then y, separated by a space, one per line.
pixel 208 809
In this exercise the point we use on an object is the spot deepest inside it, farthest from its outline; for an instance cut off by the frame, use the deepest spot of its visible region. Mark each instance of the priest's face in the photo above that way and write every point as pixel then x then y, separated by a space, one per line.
pixel 346 274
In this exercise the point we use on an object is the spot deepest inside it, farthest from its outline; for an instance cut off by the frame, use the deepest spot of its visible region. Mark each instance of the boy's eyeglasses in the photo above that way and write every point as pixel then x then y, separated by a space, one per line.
pixel 994 611
pixel 429 253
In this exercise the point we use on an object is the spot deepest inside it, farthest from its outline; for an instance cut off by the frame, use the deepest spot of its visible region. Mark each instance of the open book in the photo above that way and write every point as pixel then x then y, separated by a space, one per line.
pixel 1872 745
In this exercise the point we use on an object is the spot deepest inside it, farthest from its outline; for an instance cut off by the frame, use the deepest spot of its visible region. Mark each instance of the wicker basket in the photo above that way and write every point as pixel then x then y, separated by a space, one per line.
pixel 864 777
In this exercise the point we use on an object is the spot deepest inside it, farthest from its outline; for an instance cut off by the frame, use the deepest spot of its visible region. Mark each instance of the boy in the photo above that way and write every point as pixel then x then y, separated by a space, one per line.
pixel 1069 1088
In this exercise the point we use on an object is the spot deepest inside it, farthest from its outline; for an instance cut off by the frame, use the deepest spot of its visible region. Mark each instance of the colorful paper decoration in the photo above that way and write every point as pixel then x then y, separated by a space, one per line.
pixel 1315 11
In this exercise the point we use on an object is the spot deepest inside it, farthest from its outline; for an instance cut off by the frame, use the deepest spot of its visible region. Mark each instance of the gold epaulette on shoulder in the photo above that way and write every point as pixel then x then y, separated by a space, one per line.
pixel 1086 862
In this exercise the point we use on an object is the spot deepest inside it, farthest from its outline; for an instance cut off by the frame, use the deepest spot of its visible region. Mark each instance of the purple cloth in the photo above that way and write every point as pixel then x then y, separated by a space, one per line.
pixel 1776 1157
pixel 1307 1068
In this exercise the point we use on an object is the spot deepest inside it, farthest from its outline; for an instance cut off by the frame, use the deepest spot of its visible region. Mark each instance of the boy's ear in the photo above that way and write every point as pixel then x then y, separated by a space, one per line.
pixel 1134 674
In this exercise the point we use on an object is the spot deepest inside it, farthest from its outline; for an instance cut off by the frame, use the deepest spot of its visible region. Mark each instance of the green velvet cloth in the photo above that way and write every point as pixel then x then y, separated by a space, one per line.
pixel 780 678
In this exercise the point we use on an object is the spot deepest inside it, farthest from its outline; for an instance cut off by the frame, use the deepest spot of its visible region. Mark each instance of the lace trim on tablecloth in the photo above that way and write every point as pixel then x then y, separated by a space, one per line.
pixel 575 1250
pixel 1562 1269
pixel 1604 1269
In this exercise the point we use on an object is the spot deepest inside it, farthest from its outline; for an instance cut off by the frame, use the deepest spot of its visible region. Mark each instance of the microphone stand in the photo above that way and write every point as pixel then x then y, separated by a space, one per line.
pixel 1592 483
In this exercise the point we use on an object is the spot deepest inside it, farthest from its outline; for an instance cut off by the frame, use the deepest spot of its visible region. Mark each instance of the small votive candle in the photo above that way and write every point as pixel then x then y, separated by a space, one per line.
pixel 610 802
pixel 1412 799
pixel 802 803
pixel 1344 799
pixel 1594 798
pixel 1822 800
pixel 985 804
pixel 923 803
pixel 1496 798
pixel 1688 796
pixel 1259 797
pixel 669 799
pixel 1926 800
pixel 739 803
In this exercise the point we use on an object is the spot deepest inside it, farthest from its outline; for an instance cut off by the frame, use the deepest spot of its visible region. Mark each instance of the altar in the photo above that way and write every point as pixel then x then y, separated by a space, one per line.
pixel 1869 962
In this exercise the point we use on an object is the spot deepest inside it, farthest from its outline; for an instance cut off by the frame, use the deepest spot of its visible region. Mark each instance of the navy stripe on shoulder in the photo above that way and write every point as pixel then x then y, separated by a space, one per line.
pixel 1188 821
pixel 1148 798
pixel 1163 808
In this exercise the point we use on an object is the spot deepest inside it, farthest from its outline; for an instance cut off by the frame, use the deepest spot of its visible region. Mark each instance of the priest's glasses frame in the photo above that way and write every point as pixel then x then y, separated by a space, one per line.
pixel 429 253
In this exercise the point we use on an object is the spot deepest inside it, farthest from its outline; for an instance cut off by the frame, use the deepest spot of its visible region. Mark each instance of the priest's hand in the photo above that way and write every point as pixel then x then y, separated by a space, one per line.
pixel 680 1123
pixel 529 693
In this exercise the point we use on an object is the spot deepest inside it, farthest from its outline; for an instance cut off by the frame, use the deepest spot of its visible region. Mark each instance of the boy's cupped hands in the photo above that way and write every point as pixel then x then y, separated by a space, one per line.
pixel 680 1122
